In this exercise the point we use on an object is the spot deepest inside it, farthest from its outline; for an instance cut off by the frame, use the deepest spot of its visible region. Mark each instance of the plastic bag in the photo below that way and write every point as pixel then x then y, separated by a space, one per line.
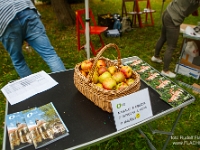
pixel 126 24
pixel 192 49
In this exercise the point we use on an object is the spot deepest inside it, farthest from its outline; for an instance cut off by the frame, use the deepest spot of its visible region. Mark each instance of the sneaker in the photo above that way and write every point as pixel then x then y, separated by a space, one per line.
pixel 154 59
pixel 168 74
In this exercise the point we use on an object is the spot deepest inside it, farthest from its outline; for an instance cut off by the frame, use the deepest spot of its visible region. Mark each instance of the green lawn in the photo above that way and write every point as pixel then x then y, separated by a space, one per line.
pixel 138 42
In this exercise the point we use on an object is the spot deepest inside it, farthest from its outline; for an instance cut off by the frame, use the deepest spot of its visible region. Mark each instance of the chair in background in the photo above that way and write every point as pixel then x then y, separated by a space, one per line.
pixel 140 7
pixel 94 30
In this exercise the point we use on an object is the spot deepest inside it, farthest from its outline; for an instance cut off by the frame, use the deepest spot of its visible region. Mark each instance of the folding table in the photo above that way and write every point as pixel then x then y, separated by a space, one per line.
pixel 87 123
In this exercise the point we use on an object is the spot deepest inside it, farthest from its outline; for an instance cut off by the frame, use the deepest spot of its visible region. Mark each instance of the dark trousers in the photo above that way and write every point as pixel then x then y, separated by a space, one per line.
pixel 169 34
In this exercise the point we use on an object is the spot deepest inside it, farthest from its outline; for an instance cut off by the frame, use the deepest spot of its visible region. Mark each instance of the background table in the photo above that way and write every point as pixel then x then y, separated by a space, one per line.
pixel 87 123
pixel 184 66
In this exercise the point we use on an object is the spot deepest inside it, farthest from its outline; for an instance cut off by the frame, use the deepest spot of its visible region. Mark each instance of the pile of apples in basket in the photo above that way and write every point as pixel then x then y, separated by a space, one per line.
pixel 108 77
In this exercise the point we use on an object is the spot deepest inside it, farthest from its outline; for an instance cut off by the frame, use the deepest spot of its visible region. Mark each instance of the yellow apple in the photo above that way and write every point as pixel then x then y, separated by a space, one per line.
pixel 130 81
pixel 95 77
pixel 112 69
pixel 103 76
pixel 118 77
pixel 109 84
pixel 99 85
pixel 121 86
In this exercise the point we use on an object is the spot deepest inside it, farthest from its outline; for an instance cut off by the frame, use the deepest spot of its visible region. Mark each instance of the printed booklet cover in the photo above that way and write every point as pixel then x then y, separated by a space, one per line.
pixel 169 91
pixel 45 125
pixel 18 131
pixel 37 126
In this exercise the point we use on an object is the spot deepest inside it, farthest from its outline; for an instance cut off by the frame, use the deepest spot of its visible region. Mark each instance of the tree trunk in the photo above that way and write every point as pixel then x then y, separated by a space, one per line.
pixel 64 12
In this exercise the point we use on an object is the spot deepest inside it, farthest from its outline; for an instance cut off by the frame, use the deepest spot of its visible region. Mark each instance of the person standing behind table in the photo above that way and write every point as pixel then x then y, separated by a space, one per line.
pixel 172 18
pixel 19 22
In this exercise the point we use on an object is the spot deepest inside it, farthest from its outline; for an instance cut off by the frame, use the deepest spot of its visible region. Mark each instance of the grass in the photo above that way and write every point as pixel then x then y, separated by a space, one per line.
pixel 138 42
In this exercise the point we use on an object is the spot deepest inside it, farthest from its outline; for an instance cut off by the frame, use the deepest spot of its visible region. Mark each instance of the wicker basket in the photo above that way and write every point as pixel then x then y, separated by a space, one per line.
pixel 99 96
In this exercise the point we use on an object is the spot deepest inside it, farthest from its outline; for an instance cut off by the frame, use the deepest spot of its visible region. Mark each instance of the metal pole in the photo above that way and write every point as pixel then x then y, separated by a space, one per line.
pixel 162 9
pixel 173 128
pixel 4 134
pixel 87 29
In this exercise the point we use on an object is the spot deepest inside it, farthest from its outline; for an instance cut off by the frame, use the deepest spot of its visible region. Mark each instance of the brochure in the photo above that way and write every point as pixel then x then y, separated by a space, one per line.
pixel 18 133
pixel 45 125
pixel 169 91
pixel 37 126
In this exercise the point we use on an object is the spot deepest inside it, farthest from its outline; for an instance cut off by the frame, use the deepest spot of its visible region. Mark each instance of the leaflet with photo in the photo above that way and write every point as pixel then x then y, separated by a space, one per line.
pixel 168 90
pixel 45 125
pixel 38 126
pixel 18 132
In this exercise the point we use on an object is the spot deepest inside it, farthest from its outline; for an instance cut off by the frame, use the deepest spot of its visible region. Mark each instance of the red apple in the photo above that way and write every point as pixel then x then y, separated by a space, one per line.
pixel 127 71
pixel 102 70
pixel 103 76
pixel 83 73
pixel 109 84
pixel 101 63
pixel 86 65
pixel 130 81
pixel 112 69
pixel 118 77
pixel 121 86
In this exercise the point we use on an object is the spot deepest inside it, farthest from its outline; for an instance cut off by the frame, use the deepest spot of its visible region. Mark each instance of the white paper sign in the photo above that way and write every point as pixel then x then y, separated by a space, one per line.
pixel 26 87
pixel 131 109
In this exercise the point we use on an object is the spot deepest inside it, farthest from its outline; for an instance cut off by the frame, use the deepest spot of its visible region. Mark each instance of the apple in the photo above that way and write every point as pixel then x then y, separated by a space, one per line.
pixel 112 69
pixel 99 85
pixel 118 77
pixel 86 65
pixel 130 81
pixel 121 86
pixel 103 76
pixel 88 76
pixel 83 73
pixel 102 70
pixel 101 63
pixel 127 71
pixel 109 84
pixel 95 77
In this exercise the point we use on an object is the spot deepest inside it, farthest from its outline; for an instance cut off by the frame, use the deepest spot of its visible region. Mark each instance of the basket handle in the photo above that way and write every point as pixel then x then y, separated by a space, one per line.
pixel 99 55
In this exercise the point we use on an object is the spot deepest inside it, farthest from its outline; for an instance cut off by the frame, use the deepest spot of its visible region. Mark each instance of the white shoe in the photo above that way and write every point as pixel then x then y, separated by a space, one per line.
pixel 168 74
pixel 154 59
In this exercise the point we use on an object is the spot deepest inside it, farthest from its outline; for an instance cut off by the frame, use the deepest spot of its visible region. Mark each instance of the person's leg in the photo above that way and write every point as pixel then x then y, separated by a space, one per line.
pixel 171 45
pixel 37 38
pixel 12 41
pixel 162 38
pixel 172 35
pixel 43 46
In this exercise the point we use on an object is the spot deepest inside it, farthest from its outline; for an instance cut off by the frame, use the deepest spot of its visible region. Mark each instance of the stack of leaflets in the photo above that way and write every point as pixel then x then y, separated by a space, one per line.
pixel 169 91
pixel 18 132
pixel 37 126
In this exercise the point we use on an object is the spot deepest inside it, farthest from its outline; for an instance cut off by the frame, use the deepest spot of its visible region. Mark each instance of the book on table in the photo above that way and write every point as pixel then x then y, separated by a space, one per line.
pixel 44 125
pixel 18 132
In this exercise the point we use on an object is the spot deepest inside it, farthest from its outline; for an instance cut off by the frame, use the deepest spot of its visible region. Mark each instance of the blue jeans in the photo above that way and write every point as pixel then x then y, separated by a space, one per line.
pixel 27 26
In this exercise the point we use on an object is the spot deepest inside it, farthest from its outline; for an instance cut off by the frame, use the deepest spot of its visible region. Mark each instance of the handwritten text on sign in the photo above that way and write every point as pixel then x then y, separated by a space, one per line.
pixel 131 109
